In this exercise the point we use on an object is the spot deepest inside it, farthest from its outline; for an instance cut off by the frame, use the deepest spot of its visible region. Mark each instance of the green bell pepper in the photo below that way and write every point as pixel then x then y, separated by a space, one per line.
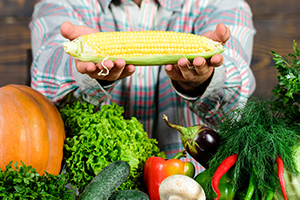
pixel 225 186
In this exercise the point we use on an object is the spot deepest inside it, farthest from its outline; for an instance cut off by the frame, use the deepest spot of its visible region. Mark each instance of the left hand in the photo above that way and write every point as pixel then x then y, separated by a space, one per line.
pixel 191 81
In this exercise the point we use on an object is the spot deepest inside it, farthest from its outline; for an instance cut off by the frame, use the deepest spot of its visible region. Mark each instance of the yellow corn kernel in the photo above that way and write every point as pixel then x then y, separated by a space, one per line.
pixel 147 43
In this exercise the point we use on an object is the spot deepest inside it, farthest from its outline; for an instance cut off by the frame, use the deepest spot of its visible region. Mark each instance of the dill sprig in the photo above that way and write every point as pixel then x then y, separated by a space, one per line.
pixel 258 136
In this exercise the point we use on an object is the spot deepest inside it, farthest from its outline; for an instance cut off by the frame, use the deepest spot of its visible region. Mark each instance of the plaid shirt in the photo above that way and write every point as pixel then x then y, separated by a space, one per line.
pixel 148 93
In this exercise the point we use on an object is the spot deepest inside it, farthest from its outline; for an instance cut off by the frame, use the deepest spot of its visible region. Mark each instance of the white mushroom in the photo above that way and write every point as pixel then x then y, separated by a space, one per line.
pixel 180 187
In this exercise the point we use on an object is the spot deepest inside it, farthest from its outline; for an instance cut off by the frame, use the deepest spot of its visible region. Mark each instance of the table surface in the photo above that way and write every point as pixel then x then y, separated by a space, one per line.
pixel 276 21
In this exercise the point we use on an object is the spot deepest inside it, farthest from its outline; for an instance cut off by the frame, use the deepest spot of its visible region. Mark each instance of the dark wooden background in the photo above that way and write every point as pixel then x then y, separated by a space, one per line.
pixel 277 23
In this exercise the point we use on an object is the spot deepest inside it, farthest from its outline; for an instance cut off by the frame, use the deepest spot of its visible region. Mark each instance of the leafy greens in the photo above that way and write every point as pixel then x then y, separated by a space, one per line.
pixel 258 136
pixel 97 138
pixel 287 92
pixel 23 182
pixel 287 100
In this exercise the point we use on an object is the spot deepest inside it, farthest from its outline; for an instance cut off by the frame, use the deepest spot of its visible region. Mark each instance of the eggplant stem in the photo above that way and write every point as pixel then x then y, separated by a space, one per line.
pixel 177 127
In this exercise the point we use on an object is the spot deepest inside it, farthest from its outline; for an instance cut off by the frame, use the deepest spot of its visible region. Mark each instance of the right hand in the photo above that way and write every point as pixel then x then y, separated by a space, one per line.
pixel 117 69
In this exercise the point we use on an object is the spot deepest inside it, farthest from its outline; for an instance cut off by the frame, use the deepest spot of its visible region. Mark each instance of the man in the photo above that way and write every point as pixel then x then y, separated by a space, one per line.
pixel 187 96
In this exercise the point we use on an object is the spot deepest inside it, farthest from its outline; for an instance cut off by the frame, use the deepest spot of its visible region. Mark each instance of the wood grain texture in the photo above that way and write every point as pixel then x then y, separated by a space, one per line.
pixel 277 25
pixel 17 7
pixel 274 6
pixel 277 37
pixel 14 46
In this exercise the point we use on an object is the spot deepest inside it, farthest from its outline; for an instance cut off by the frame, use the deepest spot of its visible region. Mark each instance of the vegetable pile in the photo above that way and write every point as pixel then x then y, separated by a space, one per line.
pixel 97 138
pixel 255 154
pixel 252 144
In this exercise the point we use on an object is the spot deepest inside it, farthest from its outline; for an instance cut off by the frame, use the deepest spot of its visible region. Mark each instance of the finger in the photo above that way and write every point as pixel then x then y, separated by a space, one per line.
pixel 216 60
pixel 70 31
pixel 203 69
pixel 104 67
pixel 128 71
pixel 201 66
pixel 173 72
pixel 185 67
pixel 221 34
pixel 85 67
pixel 117 69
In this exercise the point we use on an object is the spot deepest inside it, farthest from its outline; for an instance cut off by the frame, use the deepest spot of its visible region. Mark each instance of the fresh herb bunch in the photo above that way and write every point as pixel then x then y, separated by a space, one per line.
pixel 287 92
pixel 24 182
pixel 258 136
pixel 97 138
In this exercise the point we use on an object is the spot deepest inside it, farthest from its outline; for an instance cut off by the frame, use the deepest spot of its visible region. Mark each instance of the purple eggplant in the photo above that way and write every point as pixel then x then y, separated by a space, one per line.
pixel 200 141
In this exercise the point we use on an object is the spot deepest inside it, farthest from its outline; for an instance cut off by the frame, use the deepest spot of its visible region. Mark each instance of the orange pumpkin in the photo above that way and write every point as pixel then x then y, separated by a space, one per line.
pixel 31 129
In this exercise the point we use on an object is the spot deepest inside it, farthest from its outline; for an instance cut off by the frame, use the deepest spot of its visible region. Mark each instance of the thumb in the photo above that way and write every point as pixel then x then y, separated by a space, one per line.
pixel 71 32
pixel 221 34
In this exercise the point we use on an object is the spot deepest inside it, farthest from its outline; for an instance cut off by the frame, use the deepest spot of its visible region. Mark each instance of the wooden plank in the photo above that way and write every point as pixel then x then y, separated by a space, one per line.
pixel 14 45
pixel 274 6
pixel 277 24
pixel 17 7
pixel 277 35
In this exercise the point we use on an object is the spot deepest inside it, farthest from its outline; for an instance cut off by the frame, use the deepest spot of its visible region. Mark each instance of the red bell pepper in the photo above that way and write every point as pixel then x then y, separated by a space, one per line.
pixel 157 169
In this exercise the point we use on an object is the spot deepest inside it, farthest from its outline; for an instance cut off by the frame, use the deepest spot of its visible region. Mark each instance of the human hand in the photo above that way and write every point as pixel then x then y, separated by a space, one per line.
pixel 190 77
pixel 117 69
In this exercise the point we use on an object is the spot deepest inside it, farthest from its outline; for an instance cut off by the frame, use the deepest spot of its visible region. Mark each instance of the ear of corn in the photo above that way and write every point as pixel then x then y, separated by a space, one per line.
pixel 142 47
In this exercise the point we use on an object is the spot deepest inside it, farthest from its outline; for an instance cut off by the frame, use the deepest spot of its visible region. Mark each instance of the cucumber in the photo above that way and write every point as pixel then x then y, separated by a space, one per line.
pixel 129 195
pixel 106 181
